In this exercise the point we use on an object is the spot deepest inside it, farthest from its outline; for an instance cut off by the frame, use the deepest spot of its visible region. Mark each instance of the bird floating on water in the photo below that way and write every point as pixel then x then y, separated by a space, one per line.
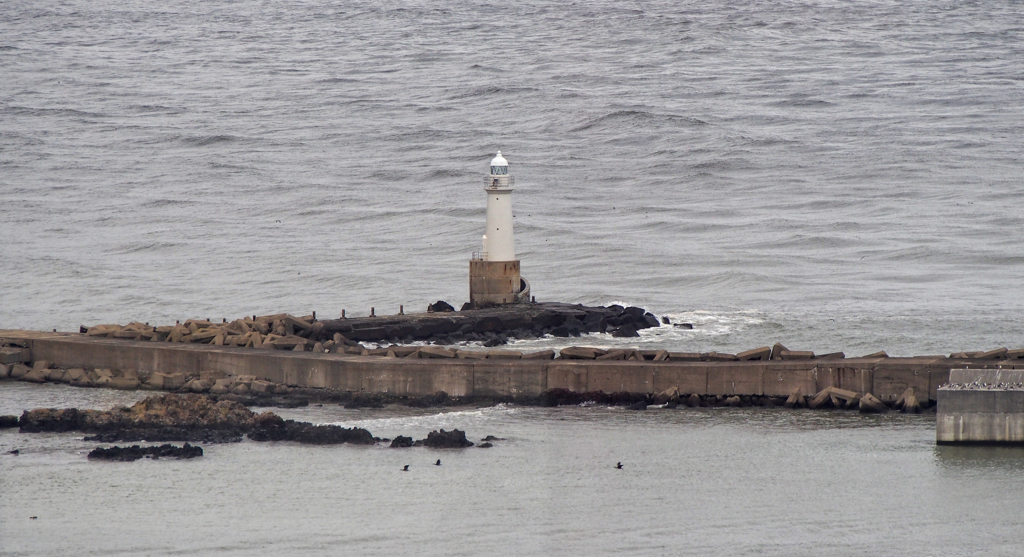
pixel 618 466
pixel 438 463
pixel 405 468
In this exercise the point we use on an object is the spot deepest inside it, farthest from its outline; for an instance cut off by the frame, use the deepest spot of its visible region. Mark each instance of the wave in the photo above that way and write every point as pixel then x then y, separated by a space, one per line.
pixel 447 420
pixel 636 118
pixel 207 140
pixel 490 91
pixel 803 103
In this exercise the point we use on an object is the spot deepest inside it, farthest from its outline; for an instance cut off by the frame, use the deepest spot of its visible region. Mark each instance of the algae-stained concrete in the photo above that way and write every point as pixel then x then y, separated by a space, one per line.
pixel 886 378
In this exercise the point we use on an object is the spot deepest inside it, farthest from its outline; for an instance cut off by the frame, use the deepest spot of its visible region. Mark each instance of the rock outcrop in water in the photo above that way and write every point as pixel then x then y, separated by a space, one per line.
pixel 271 427
pixel 454 439
pixel 170 417
pixel 189 417
pixel 135 452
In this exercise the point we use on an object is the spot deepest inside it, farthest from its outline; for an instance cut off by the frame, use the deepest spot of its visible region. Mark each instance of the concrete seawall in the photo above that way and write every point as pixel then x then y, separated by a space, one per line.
pixel 886 378
pixel 981 407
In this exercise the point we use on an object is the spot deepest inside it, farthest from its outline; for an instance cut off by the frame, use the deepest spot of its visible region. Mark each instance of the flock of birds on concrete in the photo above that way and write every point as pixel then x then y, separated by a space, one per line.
pixel 977 385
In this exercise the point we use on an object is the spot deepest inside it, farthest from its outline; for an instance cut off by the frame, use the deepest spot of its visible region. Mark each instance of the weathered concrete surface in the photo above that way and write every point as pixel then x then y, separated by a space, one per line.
pixel 981 406
pixel 886 378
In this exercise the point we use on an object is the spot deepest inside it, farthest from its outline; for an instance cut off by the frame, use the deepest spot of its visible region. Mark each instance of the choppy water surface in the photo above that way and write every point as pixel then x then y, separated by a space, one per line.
pixel 694 482
pixel 831 175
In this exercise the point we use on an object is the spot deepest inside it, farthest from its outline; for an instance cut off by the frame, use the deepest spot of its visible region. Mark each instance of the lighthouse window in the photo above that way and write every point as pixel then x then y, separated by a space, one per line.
pixel 499 170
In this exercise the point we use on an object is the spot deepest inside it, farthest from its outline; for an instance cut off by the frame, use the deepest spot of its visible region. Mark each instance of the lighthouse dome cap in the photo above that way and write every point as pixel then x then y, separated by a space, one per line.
pixel 499 160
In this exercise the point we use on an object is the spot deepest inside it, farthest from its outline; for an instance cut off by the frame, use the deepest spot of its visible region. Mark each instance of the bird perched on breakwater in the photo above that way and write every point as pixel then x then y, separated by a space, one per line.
pixel 618 466
pixel 405 468
pixel 438 463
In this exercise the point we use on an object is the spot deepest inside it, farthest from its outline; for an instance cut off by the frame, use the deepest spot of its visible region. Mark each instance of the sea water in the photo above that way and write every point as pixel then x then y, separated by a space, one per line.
pixel 710 481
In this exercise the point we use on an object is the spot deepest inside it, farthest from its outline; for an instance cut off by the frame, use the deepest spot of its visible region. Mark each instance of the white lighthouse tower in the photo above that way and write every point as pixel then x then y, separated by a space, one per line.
pixel 494 277
pixel 499 243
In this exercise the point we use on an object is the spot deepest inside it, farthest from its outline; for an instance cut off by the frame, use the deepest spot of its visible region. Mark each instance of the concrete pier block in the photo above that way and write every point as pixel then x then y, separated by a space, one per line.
pixel 762 353
pixel 981 406
pixel 15 355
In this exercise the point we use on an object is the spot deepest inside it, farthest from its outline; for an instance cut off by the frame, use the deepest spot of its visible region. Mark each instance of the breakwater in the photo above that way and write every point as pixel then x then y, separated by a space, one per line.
pixel 504 373
pixel 439 325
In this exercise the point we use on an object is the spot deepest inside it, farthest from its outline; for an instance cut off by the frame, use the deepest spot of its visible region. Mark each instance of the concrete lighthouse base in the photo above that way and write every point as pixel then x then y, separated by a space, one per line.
pixel 494 282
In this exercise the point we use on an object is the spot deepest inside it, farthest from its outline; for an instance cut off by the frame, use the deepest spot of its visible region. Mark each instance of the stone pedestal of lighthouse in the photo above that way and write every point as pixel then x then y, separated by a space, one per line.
pixel 494 277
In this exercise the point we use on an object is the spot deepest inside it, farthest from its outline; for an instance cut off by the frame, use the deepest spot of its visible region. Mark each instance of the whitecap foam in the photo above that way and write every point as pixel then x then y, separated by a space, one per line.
pixel 448 420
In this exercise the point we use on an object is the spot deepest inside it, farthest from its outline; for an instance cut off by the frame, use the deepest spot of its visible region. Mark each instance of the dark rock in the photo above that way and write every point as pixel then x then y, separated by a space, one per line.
pixel 454 439
pixel 401 442
pixel 489 325
pixel 49 419
pixel 560 331
pixel 8 422
pixel 194 435
pixel 693 401
pixel 574 326
pixel 492 438
pixel 634 312
pixel 285 402
pixel 625 331
pixel 135 452
pixel 665 320
pixel 684 325
pixel 642 405
pixel 649 320
pixel 271 427
pixel 496 341
pixel 485 445
pixel 365 400
pixel 561 397
pixel 439 307
pixel 439 398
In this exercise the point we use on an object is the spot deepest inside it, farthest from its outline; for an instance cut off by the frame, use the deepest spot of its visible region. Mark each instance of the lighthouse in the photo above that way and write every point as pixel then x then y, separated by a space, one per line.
pixel 494 277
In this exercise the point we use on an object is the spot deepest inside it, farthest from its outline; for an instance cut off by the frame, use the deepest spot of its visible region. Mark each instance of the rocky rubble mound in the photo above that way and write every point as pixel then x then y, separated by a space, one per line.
pixel 440 325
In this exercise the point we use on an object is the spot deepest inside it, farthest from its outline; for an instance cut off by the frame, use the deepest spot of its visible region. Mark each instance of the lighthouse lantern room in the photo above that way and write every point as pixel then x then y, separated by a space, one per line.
pixel 494 277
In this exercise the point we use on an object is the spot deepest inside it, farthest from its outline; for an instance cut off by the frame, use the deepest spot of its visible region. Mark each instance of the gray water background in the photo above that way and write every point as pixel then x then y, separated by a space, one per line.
pixel 694 482
pixel 831 175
